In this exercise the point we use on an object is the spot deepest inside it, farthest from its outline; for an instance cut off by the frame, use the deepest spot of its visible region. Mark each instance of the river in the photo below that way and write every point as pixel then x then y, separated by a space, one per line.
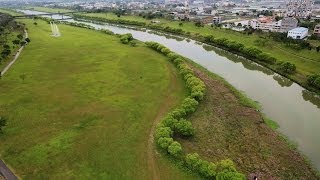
pixel 294 108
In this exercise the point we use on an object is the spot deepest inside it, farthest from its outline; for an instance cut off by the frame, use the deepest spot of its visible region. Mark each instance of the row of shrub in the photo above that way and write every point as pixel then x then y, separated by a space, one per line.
pixel 175 124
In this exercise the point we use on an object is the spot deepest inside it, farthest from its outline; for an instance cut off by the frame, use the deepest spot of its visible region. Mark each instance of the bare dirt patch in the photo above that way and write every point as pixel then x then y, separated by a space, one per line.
pixel 225 128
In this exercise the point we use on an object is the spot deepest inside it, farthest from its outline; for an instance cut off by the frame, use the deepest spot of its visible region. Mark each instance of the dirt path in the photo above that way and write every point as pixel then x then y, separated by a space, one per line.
pixel 14 59
pixel 164 108
pixel 5 172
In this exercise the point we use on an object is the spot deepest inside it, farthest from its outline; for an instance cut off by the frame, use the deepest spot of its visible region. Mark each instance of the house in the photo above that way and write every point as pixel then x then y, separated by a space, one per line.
pixel 316 30
pixel 298 33
pixel 217 20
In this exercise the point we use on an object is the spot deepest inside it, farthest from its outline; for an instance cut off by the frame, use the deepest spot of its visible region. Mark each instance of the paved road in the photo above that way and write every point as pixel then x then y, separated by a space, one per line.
pixel 14 59
pixel 6 172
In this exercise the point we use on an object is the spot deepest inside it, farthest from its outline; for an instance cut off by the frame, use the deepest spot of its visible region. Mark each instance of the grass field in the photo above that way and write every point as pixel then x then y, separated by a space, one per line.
pixel 307 62
pixel 8 11
pixel 50 10
pixel 82 105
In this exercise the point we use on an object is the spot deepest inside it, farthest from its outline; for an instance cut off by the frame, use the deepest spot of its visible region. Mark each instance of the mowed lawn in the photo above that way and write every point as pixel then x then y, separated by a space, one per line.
pixel 82 105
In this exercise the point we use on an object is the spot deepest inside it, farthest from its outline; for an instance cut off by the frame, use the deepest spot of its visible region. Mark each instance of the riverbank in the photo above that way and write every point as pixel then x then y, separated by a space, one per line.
pixel 281 100
pixel 228 124
pixel 304 67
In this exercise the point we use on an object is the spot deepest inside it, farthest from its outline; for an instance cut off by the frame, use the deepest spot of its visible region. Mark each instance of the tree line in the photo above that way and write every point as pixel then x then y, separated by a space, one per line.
pixel 176 124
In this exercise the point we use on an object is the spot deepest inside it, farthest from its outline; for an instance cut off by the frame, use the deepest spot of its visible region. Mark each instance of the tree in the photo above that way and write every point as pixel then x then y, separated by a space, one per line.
pixel 28 40
pixel 184 127
pixel 175 148
pixel 198 24
pixel 16 42
pixel 318 48
pixel 20 36
pixel 22 43
pixel 3 123
pixel 6 46
pixel 165 142
pixel 35 23
pixel 287 67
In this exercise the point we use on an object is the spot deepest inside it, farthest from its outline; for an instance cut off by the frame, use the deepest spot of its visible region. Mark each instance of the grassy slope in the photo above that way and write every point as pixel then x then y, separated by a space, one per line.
pixel 12 35
pixel 307 61
pixel 228 126
pixel 7 11
pixel 85 107
pixel 45 9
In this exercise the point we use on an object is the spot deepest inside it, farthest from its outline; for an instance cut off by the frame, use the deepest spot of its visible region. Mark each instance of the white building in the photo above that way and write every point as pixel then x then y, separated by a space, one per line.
pixel 268 24
pixel 298 33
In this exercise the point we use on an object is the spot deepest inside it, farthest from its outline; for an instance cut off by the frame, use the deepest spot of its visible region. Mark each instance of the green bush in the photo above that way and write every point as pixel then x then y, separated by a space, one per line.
pixel 169 121
pixel 314 80
pixel 184 128
pixel 178 113
pixel 164 132
pixel 189 105
pixel 205 168
pixel 126 38
pixel 287 67
pixel 227 175
pixel 164 142
pixel 175 149
pixel 193 161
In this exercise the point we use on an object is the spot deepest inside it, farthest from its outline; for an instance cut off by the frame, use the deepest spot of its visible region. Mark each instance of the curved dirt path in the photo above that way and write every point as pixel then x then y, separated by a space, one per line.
pixel 164 108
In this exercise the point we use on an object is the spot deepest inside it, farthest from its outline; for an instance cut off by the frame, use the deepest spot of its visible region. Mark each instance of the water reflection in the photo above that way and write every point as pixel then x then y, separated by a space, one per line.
pixel 237 59
pixel 311 97
pixel 282 81
pixel 167 35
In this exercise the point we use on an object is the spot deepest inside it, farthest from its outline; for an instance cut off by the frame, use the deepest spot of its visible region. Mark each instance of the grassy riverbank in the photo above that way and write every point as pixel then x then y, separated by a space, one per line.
pixel 82 106
pixel 228 125
pixel 50 10
pixel 307 62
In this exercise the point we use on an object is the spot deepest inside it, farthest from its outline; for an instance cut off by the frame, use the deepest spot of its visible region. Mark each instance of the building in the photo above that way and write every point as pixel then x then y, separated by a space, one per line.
pixel 300 8
pixel 298 33
pixel 217 20
pixel 316 30
pixel 288 23
pixel 265 24
pixel 269 24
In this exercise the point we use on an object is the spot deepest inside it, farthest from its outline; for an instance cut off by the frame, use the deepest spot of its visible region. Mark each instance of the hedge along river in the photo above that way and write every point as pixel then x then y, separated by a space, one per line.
pixel 294 108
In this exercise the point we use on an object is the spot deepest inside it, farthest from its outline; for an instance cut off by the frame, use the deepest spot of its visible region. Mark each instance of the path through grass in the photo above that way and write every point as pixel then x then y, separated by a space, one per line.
pixel 82 106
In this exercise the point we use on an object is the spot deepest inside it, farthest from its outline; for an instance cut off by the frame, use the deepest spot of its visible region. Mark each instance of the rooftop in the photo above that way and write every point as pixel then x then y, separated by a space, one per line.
pixel 299 29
